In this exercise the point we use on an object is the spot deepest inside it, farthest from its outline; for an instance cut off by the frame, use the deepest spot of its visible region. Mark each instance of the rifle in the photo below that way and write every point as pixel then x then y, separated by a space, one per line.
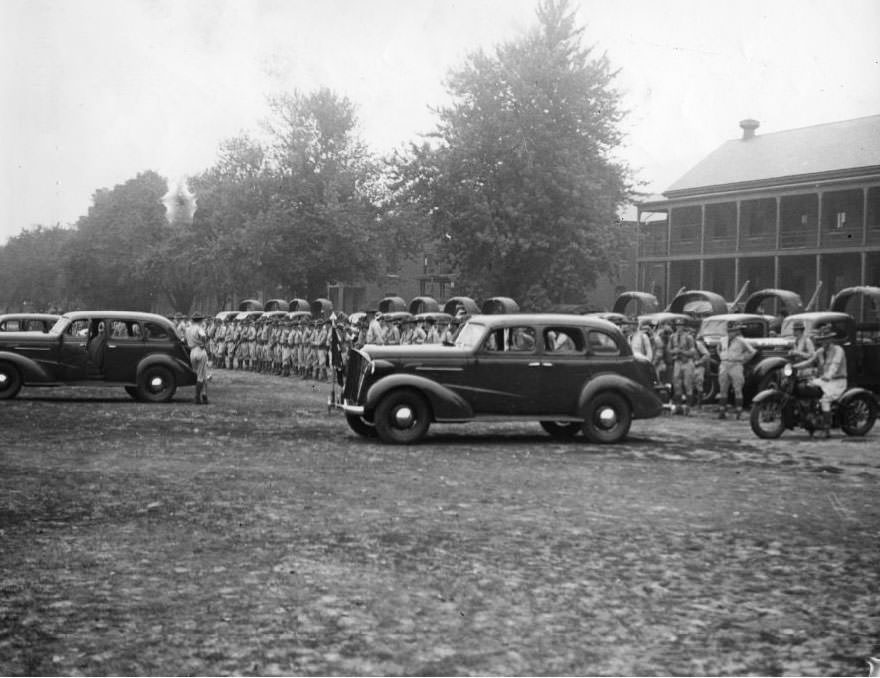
pixel 814 299
pixel 734 306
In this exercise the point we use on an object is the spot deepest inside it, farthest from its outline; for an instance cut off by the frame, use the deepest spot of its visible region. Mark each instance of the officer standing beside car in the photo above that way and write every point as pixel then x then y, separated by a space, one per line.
pixel 734 352
pixel 196 339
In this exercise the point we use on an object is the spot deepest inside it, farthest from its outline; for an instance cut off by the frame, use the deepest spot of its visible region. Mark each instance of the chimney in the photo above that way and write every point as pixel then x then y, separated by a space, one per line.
pixel 748 127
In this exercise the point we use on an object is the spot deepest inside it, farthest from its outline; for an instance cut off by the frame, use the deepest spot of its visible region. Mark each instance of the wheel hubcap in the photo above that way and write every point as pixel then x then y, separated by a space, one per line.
pixel 156 383
pixel 607 417
pixel 3 379
pixel 404 417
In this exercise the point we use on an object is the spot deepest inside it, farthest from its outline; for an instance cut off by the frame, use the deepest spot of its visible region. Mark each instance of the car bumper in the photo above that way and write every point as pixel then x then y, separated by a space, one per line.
pixel 351 408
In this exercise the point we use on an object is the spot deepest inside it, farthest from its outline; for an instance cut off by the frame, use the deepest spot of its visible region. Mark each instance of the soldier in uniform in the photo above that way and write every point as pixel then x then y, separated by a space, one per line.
pixel 284 347
pixel 683 351
pixel 734 352
pixel 196 340
pixel 432 335
pixel 701 364
pixel 376 331
pixel 322 343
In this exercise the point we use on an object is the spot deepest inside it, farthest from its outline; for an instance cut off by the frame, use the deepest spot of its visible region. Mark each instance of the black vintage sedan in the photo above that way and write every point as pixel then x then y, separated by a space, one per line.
pixel 139 351
pixel 571 373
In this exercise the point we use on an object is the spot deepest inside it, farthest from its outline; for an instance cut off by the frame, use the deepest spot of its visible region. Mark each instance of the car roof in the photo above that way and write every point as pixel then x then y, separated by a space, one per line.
pixel 118 315
pixel 818 315
pixel 505 319
pixel 742 317
pixel 29 316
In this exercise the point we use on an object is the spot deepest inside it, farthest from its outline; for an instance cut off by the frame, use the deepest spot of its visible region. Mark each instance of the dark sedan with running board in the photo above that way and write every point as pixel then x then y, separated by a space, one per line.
pixel 571 373
pixel 139 351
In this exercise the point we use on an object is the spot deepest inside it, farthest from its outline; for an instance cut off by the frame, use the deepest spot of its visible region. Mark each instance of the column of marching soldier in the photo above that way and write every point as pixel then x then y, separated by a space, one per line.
pixel 304 347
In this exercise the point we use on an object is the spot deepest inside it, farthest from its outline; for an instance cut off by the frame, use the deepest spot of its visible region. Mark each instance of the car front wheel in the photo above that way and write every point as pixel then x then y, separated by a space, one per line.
pixel 402 417
pixel 608 418
pixel 10 381
pixel 361 426
pixel 156 384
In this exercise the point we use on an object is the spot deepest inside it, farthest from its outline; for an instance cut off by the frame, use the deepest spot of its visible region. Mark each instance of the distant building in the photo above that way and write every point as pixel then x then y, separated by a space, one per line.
pixel 787 209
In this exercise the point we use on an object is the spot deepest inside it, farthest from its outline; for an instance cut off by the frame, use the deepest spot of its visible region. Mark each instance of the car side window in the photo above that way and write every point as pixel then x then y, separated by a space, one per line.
pixel 155 332
pixel 602 344
pixel 78 328
pixel 563 340
pixel 510 340
pixel 126 330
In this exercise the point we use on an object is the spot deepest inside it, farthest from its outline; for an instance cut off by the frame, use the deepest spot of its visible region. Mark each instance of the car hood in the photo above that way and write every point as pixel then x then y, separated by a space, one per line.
pixel 396 352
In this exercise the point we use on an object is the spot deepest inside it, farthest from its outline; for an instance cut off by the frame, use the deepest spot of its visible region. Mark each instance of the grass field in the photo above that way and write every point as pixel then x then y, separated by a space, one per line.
pixel 257 535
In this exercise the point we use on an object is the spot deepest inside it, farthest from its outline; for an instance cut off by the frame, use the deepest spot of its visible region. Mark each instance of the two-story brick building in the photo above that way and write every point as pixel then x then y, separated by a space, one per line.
pixel 786 210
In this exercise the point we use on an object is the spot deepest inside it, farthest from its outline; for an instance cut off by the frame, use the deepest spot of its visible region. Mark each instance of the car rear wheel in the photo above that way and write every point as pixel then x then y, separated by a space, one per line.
pixel 608 418
pixel 563 430
pixel 402 417
pixel 10 381
pixel 156 384
pixel 361 426
pixel 858 415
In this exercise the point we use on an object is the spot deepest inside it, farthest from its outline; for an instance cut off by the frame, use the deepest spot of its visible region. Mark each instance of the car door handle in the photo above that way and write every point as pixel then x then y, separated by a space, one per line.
pixel 535 364
pixel 111 345
pixel 546 364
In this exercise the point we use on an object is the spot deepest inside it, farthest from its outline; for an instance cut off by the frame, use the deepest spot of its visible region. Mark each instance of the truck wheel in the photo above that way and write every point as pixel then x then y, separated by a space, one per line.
pixel 402 417
pixel 561 430
pixel 608 418
pixel 156 384
pixel 361 426
pixel 766 418
pixel 10 381
pixel 858 415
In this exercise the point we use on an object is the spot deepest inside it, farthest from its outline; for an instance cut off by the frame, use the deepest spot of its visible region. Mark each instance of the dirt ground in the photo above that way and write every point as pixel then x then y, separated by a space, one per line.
pixel 258 535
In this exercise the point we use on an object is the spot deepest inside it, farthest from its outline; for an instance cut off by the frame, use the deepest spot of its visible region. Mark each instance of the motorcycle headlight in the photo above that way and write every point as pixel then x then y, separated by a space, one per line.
pixel 788 370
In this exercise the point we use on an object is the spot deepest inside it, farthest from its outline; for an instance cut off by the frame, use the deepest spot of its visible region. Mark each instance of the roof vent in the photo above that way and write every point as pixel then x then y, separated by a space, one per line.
pixel 748 127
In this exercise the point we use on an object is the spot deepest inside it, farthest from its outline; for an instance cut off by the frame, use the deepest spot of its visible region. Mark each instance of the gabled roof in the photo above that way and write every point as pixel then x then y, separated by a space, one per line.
pixel 838 147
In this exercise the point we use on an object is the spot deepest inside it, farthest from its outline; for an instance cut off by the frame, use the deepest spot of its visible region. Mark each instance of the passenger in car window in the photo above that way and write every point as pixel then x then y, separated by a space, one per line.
pixel 522 339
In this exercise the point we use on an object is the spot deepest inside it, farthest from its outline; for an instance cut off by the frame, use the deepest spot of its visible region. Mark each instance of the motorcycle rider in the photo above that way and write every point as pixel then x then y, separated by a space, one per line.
pixel 830 360
pixel 803 347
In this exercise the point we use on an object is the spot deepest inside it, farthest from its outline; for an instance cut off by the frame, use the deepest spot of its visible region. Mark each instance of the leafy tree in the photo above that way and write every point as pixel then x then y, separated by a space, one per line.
pixel 29 272
pixel 104 263
pixel 518 178
pixel 323 221
pixel 230 195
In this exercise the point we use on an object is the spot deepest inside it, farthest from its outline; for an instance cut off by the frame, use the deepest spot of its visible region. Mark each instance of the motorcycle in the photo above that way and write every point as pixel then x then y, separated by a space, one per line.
pixel 794 402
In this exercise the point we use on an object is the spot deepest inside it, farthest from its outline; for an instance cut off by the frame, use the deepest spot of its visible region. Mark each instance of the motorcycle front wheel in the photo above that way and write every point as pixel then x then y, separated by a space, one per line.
pixel 858 415
pixel 766 418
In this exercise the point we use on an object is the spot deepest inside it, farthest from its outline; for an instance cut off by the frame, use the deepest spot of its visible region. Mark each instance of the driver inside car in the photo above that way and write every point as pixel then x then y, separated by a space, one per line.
pixel 830 361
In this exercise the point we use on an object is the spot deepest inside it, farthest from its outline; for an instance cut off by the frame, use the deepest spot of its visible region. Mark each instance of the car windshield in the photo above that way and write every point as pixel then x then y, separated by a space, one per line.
pixel 470 335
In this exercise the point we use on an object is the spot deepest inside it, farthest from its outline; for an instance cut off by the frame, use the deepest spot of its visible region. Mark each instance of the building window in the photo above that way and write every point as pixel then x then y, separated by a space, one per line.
pixel 840 221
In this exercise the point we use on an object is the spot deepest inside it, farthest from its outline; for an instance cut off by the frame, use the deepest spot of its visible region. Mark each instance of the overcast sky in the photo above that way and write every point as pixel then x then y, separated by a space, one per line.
pixel 95 91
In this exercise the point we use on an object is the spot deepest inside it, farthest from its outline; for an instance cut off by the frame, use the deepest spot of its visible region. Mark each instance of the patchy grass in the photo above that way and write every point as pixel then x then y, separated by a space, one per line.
pixel 259 536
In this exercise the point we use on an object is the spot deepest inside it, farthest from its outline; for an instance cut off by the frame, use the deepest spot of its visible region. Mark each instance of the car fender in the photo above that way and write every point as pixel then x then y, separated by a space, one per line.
pixel 31 371
pixel 644 401
pixel 183 372
pixel 446 405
